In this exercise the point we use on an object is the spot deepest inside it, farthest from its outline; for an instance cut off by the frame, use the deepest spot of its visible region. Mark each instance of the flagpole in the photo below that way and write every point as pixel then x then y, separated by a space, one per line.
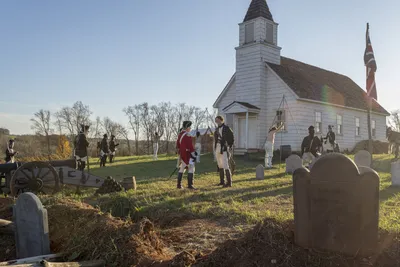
pixel 369 98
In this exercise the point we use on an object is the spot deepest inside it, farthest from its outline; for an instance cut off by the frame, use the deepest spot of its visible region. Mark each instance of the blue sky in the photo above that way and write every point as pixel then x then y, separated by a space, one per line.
pixel 111 54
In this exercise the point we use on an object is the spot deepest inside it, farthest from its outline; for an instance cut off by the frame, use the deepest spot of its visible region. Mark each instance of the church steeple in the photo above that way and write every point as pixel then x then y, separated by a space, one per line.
pixel 258 8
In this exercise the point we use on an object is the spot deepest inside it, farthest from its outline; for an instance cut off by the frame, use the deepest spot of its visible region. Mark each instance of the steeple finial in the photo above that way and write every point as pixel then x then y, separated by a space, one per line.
pixel 258 8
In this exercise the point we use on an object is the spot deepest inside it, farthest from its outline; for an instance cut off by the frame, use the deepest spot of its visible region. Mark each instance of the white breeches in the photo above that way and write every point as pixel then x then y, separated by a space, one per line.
pixel 198 150
pixel 155 150
pixel 308 158
pixel 329 146
pixel 80 159
pixel 222 159
pixel 269 152
pixel 102 153
pixel 190 166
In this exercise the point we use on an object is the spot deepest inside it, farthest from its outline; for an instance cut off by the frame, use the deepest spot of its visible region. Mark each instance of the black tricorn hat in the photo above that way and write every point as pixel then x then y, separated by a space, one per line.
pixel 105 135
pixel 311 127
pixel 186 124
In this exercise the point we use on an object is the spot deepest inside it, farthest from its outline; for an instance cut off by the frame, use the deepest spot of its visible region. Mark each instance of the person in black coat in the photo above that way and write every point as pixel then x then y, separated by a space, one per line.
pixel 104 151
pixel 113 148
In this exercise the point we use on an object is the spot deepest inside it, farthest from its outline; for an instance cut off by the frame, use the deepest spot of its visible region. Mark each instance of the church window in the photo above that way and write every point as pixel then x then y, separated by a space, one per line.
pixel 318 122
pixel 249 33
pixel 339 122
pixel 373 127
pixel 280 118
pixel 357 126
pixel 269 33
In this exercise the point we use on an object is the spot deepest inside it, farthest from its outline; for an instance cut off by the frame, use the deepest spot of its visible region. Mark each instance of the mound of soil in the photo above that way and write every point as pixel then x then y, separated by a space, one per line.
pixel 7 242
pixel 272 244
pixel 84 233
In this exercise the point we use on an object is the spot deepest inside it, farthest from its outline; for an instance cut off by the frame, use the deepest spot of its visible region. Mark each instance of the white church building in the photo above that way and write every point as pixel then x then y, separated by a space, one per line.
pixel 252 98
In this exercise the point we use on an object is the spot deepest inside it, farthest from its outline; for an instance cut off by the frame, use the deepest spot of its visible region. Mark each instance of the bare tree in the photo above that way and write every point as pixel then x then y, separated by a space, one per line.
pixel 123 131
pixel 170 124
pixel 199 117
pixel 72 117
pixel 41 125
pixel 110 127
pixel 179 110
pixel 394 121
pixel 64 116
pixel 146 123
pixel 133 113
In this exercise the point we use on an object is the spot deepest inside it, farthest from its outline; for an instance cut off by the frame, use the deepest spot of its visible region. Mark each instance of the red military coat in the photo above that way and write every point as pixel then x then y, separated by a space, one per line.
pixel 185 146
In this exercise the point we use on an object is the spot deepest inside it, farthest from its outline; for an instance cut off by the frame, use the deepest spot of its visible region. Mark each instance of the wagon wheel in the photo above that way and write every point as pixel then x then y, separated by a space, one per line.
pixel 36 177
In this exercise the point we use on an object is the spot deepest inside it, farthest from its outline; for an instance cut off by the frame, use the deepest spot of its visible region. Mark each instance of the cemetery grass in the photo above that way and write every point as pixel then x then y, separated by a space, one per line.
pixel 213 224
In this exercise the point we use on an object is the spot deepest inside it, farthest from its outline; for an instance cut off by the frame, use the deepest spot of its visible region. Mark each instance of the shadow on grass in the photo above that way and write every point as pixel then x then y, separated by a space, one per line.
pixel 388 193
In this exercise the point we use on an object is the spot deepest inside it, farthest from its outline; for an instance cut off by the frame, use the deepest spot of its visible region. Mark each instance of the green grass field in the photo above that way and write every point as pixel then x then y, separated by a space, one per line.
pixel 249 200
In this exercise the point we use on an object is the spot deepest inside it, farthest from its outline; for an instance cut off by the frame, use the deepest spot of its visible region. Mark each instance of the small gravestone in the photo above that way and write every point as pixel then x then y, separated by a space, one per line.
pixel 363 158
pixel 336 206
pixel 129 183
pixel 293 162
pixel 395 171
pixel 31 227
pixel 260 172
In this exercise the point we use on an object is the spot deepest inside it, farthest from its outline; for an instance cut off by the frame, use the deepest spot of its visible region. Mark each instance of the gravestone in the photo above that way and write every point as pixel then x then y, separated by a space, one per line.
pixel 336 206
pixel 129 183
pixel 363 158
pixel 293 162
pixel 395 171
pixel 31 227
pixel 260 172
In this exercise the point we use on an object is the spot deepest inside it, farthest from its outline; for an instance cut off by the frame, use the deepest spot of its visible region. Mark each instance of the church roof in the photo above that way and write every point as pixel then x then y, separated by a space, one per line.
pixel 313 83
pixel 258 8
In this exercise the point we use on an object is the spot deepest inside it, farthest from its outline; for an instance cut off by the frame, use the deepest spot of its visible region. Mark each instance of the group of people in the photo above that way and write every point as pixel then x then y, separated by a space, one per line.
pixel 188 156
pixel 105 148
pixel 310 147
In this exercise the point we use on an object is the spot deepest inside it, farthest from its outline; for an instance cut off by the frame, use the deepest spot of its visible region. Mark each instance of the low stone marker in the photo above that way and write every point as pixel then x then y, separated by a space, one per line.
pixel 293 162
pixel 363 158
pixel 129 183
pixel 336 206
pixel 395 171
pixel 31 227
pixel 260 172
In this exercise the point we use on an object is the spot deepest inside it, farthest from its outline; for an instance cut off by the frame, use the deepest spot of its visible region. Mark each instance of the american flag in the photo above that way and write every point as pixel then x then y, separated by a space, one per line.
pixel 369 61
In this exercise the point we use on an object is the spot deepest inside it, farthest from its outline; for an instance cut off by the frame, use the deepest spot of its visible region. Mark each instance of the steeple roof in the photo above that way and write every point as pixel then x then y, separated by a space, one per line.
pixel 258 8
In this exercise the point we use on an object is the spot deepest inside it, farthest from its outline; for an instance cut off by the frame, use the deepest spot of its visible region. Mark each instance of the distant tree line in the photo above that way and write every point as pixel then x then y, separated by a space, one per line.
pixel 144 120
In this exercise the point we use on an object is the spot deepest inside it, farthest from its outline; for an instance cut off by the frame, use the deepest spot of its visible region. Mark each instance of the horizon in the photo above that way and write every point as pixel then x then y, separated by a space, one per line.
pixel 131 53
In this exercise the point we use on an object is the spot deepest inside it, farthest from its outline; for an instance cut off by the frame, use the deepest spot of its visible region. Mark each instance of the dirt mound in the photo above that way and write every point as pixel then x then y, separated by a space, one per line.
pixel 272 244
pixel 85 233
pixel 7 243
pixel 378 147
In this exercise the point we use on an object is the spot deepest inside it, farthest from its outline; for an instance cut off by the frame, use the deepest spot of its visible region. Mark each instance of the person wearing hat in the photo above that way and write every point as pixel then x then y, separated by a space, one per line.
pixel 113 148
pixel 269 144
pixel 10 153
pixel 224 139
pixel 310 146
pixel 330 137
pixel 197 146
pixel 81 145
pixel 156 139
pixel 104 151
pixel 187 155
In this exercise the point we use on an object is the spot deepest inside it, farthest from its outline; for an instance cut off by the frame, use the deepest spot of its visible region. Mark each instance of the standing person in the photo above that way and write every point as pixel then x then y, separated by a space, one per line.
pixel 155 146
pixel 81 145
pixel 269 144
pixel 178 162
pixel 330 137
pixel 104 151
pixel 224 140
pixel 197 146
pixel 187 155
pixel 10 153
pixel 113 148
pixel 310 146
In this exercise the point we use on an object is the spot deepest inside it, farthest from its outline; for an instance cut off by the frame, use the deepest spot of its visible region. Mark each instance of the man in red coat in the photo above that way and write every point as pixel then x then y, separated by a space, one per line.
pixel 187 155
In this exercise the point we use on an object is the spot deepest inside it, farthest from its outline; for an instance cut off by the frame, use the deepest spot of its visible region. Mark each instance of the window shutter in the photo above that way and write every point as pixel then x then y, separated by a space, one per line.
pixel 249 32
pixel 269 33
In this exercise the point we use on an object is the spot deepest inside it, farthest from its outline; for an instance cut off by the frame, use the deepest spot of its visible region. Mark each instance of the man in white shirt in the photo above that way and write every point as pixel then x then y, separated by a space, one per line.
pixel 269 144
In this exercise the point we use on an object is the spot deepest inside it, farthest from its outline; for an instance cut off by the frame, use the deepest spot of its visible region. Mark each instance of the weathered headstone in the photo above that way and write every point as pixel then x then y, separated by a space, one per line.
pixel 293 162
pixel 129 183
pixel 336 205
pixel 363 158
pixel 260 172
pixel 395 171
pixel 31 227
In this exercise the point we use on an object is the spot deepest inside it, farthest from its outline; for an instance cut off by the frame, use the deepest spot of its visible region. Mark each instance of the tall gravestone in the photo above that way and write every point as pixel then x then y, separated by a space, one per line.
pixel 31 227
pixel 363 158
pixel 293 162
pixel 395 171
pixel 336 205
